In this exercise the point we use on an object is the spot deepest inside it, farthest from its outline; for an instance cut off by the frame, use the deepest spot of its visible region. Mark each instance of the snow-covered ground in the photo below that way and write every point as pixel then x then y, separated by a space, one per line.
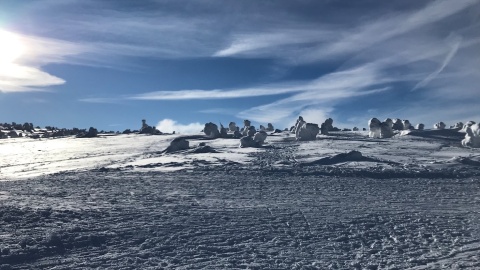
pixel 410 202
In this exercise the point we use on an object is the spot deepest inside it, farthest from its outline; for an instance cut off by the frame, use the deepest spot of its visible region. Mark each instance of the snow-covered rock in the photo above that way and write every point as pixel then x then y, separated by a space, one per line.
pixel 472 136
pixel 307 132
pixel 251 131
pixel 326 126
pixel 262 128
pixel 389 122
pixel 177 144
pixel 386 130
pixel 468 124
pixel 246 127
pixel 458 125
pixel 247 141
pixel 232 126
pixel 439 125
pixel 223 132
pixel 211 130
pixel 406 125
pixel 374 128
pixel 397 124
pixel 355 129
pixel 260 137
pixel 270 127
pixel 420 126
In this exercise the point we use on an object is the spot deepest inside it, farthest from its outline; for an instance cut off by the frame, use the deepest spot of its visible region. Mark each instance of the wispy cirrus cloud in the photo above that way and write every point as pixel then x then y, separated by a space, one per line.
pixel 388 48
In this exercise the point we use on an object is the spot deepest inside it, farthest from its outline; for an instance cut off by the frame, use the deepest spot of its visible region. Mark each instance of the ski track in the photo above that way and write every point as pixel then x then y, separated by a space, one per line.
pixel 227 220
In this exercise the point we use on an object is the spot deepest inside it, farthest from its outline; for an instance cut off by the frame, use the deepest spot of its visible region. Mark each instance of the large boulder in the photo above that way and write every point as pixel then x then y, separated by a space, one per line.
pixel 307 132
pixel 406 125
pixel 439 125
pixel 472 136
pixel 420 126
pixel 232 127
pixel 247 141
pixel 251 131
pixel 326 126
pixel 223 132
pixel 177 144
pixel 458 125
pixel 386 130
pixel 397 124
pixel 146 129
pixel 260 137
pixel 374 128
pixel 270 127
pixel 211 130
pixel 246 127
pixel 468 124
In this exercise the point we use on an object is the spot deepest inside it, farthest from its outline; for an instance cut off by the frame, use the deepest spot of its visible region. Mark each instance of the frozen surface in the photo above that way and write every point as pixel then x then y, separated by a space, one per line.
pixel 344 201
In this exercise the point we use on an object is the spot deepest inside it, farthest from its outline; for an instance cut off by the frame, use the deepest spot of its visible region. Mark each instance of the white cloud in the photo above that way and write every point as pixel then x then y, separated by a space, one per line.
pixel 169 126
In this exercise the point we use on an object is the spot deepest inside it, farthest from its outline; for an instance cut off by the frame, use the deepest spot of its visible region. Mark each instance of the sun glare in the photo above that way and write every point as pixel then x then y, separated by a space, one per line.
pixel 11 48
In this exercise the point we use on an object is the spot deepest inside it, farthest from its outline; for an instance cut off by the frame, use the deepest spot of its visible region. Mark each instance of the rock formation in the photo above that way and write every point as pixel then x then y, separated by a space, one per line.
pixel 326 126
pixel 406 125
pixel 262 128
pixel 146 129
pixel 397 124
pixel 211 130
pixel 439 125
pixel 223 132
pixel 260 137
pixel 355 129
pixel 246 127
pixel 177 144
pixel 270 127
pixel 386 130
pixel 458 125
pixel 374 128
pixel 468 124
pixel 420 126
pixel 247 141
pixel 306 131
pixel 251 131
pixel 232 127
pixel 472 136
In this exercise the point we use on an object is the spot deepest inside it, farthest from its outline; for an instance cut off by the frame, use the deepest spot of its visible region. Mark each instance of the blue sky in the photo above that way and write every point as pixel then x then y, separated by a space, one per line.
pixel 180 64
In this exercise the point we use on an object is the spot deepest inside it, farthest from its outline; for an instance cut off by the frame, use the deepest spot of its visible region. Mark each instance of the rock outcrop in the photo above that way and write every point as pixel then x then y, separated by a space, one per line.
pixel 397 124
pixel 468 124
pixel 386 130
pixel 439 125
pixel 472 136
pixel 374 128
pixel 177 144
pixel 307 131
pixel 260 137
pixel 146 129
pixel 326 126
pixel 211 130
pixel 270 127
pixel 246 127
pixel 232 127
pixel 420 127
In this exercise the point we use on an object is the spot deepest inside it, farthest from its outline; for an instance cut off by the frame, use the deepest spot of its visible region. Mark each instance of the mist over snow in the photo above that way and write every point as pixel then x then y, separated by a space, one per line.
pixel 169 126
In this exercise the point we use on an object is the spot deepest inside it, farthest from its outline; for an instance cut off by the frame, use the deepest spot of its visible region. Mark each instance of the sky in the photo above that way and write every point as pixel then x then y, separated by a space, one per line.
pixel 179 64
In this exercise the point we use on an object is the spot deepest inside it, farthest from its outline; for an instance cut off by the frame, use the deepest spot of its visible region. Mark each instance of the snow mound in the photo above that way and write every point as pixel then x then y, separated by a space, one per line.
pixel 341 158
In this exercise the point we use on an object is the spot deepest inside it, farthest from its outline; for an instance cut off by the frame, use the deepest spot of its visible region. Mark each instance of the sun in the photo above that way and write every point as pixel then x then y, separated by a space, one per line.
pixel 11 47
